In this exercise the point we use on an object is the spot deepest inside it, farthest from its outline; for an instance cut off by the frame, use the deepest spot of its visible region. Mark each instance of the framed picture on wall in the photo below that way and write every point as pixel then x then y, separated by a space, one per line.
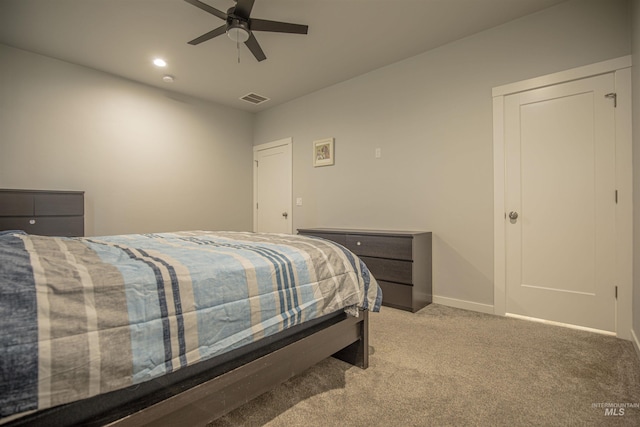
pixel 323 152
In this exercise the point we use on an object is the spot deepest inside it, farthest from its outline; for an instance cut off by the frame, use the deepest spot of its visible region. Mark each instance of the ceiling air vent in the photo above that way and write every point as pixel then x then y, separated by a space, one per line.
pixel 254 98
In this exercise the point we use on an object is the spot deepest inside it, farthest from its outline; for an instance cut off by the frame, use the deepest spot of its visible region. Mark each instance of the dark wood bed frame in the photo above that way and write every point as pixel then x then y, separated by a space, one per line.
pixel 193 400
pixel 230 384
pixel 346 340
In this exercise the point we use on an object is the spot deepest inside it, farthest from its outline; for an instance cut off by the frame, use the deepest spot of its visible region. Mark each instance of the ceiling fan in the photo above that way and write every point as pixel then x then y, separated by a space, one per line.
pixel 239 26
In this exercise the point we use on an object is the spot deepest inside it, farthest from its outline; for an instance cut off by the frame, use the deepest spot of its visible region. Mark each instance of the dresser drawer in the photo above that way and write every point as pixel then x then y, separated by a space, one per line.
pixel 338 238
pixel 16 203
pixel 69 226
pixel 392 270
pixel 380 246
pixel 396 295
pixel 58 204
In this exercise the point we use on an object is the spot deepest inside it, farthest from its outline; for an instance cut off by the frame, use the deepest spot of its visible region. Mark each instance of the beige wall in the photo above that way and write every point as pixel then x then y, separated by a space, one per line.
pixel 431 115
pixel 147 160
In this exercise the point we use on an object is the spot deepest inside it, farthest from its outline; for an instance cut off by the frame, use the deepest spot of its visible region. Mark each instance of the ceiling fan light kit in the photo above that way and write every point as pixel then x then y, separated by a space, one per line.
pixel 238 31
pixel 239 26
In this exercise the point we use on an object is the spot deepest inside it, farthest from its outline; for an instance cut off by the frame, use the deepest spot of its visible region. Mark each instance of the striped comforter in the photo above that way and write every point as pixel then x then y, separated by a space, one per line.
pixel 84 316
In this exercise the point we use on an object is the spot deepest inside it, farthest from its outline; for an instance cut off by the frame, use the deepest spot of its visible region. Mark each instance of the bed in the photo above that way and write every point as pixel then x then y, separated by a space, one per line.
pixel 167 327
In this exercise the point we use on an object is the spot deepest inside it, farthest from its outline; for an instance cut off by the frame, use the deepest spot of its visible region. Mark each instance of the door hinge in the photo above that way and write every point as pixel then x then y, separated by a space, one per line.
pixel 616 197
pixel 615 98
pixel 256 163
pixel 256 206
pixel 616 292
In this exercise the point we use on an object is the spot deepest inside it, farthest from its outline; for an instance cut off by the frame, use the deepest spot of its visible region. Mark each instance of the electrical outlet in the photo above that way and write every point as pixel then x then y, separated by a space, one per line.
pixel 299 201
pixel 378 153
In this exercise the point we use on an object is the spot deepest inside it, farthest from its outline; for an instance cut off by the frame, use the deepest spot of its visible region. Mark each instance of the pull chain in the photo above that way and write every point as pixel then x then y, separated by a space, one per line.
pixel 238 49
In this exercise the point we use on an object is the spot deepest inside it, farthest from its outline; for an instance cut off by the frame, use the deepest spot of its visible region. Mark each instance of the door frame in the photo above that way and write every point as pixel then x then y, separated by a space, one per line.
pixel 288 143
pixel 624 178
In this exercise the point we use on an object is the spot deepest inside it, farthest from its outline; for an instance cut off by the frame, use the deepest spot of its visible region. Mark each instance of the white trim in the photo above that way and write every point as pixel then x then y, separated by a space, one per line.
pixel 564 325
pixel 466 305
pixel 288 142
pixel 603 67
pixel 624 208
pixel 278 143
pixel 636 343
pixel 499 235
pixel 624 179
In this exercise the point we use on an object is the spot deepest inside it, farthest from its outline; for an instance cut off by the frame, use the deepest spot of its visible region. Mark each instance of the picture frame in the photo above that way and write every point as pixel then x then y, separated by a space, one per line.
pixel 323 153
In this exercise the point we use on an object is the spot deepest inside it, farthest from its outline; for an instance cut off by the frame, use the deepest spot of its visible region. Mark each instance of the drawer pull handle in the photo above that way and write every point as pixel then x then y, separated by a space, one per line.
pixel 32 221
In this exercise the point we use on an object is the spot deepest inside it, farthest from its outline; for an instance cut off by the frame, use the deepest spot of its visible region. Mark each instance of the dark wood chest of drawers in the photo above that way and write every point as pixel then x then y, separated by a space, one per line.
pixel 47 213
pixel 399 260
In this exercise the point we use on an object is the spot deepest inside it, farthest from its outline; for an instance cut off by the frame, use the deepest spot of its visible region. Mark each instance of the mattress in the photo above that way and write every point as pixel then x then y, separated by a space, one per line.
pixel 86 316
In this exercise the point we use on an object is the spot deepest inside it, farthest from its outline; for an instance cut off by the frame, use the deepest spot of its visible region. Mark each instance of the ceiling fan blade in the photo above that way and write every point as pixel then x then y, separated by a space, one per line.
pixel 255 48
pixel 212 10
pixel 277 27
pixel 208 36
pixel 243 8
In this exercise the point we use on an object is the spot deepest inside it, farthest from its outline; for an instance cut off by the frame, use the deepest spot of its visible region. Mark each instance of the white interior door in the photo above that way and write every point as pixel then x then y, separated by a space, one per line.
pixel 560 183
pixel 272 187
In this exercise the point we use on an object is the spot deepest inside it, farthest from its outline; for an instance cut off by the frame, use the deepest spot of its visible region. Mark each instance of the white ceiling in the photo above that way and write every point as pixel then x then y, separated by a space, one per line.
pixel 346 38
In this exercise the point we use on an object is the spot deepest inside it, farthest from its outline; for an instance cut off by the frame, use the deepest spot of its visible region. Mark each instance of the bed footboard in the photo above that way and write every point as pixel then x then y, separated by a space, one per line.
pixel 346 340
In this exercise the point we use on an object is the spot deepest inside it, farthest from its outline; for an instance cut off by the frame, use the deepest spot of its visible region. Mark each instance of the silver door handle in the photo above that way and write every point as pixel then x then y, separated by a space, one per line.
pixel 285 215
pixel 513 215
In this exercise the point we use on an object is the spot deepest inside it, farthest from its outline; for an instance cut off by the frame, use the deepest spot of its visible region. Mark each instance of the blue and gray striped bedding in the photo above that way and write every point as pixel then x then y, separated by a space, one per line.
pixel 84 316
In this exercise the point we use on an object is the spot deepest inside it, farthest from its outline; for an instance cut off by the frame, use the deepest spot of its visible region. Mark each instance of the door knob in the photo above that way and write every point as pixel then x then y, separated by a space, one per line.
pixel 285 215
pixel 513 215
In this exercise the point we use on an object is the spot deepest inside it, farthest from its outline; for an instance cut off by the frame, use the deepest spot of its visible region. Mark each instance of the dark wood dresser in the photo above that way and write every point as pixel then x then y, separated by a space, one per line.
pixel 399 260
pixel 47 213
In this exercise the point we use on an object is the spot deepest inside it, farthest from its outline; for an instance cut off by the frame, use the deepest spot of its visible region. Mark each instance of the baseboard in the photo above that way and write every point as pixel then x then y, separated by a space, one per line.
pixel 562 325
pixel 466 305
pixel 636 343
pixel 487 308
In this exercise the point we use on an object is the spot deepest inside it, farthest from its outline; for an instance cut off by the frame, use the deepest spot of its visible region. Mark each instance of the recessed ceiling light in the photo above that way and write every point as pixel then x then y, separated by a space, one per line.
pixel 168 79
pixel 159 62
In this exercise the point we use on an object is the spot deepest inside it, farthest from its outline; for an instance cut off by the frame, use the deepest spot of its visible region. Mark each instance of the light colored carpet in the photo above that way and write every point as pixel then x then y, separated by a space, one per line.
pixel 449 367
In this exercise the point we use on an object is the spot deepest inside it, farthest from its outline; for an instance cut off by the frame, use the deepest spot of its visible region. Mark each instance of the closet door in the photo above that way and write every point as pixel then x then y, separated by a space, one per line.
pixel 560 202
